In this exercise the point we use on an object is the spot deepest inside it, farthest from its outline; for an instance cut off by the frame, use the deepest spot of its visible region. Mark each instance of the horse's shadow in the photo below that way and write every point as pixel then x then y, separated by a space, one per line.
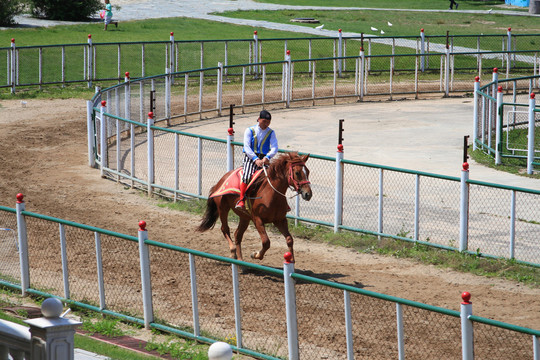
pixel 244 270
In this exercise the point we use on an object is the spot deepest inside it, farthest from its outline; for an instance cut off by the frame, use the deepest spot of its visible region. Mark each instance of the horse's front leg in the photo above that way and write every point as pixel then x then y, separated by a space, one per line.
pixel 283 227
pixel 239 234
pixel 264 239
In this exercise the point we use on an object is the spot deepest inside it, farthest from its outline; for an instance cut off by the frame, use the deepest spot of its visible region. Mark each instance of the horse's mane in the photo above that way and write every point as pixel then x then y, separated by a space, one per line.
pixel 276 169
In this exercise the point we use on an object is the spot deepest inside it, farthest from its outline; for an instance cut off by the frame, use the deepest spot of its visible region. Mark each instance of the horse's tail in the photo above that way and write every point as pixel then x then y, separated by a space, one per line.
pixel 210 216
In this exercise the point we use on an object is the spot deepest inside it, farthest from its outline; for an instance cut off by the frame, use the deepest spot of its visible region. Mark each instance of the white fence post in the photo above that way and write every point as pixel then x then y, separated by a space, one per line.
pixel 63 252
pixel 362 72
pixel 172 57
pixel 237 306
pixel 498 126
pixel 89 63
pixel 464 209
pixel 219 92
pixel 508 49
pixel 256 52
pixel 23 244
pixel 288 78
pixel 400 331
pixel 91 133
pixel 340 52
pixel 13 68
pixel 447 72
pixel 338 203
pixel 422 49
pixel 467 345
pixel 530 141
pixel 475 111
pixel 230 149
pixel 150 138
pixel 103 137
pixel 290 307
pixel 127 101
pixel 348 325
pixel 194 295
pixel 146 282
pixel 99 267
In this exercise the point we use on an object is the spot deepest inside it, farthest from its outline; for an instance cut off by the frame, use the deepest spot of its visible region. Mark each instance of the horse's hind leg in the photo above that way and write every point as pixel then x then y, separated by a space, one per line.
pixel 283 228
pixel 239 234
pixel 223 216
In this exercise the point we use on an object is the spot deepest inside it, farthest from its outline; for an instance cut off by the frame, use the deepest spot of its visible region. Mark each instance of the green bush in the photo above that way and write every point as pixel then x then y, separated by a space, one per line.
pixel 8 9
pixel 72 10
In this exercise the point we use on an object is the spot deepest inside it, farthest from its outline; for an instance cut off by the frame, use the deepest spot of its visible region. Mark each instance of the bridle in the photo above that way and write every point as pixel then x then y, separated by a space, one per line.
pixel 291 181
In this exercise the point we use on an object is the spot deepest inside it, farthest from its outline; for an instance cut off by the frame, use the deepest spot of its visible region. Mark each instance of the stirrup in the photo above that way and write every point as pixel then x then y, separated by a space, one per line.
pixel 240 205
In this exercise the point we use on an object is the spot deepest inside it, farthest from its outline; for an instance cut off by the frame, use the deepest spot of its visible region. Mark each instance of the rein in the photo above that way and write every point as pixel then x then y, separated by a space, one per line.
pixel 295 184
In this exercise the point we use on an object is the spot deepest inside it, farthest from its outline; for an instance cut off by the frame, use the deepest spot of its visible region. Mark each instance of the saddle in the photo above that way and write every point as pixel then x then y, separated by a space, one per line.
pixel 231 185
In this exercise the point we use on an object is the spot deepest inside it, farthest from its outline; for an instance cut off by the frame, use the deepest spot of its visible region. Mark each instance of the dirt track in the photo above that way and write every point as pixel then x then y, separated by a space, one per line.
pixel 43 151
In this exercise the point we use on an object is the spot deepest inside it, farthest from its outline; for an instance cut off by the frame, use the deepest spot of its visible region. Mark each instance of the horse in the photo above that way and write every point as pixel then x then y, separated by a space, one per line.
pixel 266 202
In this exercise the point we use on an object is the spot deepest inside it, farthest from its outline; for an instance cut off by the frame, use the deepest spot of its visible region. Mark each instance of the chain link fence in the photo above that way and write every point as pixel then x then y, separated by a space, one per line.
pixel 211 298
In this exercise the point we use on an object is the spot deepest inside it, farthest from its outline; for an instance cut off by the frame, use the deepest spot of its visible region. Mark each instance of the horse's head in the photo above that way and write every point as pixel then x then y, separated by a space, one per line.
pixel 299 176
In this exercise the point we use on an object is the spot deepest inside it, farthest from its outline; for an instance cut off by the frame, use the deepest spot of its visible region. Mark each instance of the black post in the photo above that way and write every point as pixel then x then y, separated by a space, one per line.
pixel 153 101
pixel 447 42
pixel 465 145
pixel 231 122
pixel 340 135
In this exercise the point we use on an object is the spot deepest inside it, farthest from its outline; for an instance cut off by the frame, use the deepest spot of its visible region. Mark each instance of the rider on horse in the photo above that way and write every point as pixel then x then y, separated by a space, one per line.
pixel 260 145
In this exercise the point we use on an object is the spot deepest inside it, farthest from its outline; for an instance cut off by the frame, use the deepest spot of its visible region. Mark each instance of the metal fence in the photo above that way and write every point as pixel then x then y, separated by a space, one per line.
pixel 106 63
pixel 211 298
pixel 506 120
pixel 442 211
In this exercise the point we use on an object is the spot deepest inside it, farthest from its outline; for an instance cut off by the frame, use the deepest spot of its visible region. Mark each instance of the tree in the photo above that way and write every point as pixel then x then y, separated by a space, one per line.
pixel 72 10
pixel 8 9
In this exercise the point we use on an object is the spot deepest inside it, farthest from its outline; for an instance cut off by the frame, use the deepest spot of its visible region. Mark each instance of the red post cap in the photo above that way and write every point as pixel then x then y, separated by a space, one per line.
pixel 89 36
pixel 361 48
pixel 103 103
pixel 288 52
pixel 495 70
pixel 465 166
pixel 230 131
pixel 339 30
pixel 20 198
pixel 422 30
pixel 142 225
pixel 477 78
pixel 340 147
pixel 499 88
pixel 172 34
pixel 255 32
pixel 150 115
pixel 509 29
pixel 288 257
pixel 127 74
pixel 532 95
pixel 12 40
pixel 466 296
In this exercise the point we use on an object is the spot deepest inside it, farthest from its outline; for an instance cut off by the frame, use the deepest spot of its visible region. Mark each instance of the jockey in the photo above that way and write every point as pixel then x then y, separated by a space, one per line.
pixel 260 145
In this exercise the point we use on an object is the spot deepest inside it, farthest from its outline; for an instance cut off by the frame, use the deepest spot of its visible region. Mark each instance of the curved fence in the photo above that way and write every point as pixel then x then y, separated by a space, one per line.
pixel 507 121
pixel 447 212
pixel 212 298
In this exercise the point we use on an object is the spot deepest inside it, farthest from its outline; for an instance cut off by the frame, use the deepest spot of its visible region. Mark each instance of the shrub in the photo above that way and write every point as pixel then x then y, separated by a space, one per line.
pixel 72 10
pixel 8 9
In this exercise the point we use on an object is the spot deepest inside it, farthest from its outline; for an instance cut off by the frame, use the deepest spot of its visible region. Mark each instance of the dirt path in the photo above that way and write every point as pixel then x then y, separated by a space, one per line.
pixel 43 151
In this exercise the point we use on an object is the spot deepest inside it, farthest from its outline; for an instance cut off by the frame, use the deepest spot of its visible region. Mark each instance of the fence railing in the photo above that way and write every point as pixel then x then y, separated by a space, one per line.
pixel 506 120
pixel 103 63
pixel 287 315
pixel 449 212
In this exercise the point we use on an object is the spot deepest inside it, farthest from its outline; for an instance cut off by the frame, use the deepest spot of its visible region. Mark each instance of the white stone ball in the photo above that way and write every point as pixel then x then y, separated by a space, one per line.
pixel 220 351
pixel 51 307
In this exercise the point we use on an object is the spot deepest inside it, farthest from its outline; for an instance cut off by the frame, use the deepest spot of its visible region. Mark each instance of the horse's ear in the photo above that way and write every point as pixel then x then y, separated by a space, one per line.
pixel 305 158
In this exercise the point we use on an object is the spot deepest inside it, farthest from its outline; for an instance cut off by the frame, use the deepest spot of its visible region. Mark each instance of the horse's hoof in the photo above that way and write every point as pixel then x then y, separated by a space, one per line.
pixel 255 255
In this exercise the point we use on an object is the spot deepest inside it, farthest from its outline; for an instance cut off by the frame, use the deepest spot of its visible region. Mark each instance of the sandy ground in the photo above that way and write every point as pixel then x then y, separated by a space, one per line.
pixel 43 151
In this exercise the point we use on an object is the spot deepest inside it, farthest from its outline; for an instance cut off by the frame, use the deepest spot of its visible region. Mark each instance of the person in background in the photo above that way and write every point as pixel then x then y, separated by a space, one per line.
pixel 108 15
pixel 260 145
pixel 452 3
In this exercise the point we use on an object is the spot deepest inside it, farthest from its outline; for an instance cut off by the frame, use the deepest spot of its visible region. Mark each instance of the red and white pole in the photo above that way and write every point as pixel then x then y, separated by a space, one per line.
pixel 467 345
pixel 103 137
pixel 23 244
pixel 150 139
pixel 422 49
pixel 290 307
pixel 498 126
pixel 13 70
pixel 464 209
pixel 475 111
pixel 90 61
pixel 340 51
pixel 338 202
pixel 530 141
pixel 146 283
pixel 256 51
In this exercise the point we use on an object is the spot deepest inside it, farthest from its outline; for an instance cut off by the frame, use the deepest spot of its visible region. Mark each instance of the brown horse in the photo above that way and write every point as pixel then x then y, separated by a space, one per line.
pixel 266 203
